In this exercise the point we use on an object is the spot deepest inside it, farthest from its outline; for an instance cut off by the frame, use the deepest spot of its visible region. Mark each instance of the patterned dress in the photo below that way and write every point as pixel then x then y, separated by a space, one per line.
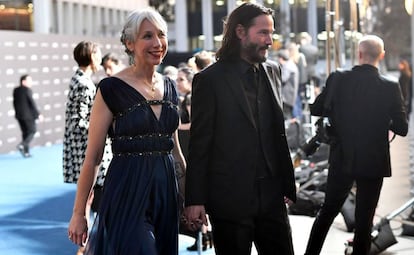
pixel 78 107
pixel 138 213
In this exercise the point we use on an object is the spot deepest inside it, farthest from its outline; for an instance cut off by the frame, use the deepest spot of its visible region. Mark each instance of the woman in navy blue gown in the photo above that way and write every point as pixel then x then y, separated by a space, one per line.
pixel 138 109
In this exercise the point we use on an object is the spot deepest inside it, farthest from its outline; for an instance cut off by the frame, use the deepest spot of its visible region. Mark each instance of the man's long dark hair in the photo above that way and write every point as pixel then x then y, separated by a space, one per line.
pixel 243 15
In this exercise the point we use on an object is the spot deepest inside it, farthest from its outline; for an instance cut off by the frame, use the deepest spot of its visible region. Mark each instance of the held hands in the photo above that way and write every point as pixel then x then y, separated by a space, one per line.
pixel 195 217
pixel 78 229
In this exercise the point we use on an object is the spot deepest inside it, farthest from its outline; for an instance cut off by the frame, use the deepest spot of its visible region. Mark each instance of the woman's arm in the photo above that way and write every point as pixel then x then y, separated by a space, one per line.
pixel 177 153
pixel 100 121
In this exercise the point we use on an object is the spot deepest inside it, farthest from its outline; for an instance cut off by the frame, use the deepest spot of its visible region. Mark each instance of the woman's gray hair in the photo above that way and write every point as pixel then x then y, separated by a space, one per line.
pixel 133 24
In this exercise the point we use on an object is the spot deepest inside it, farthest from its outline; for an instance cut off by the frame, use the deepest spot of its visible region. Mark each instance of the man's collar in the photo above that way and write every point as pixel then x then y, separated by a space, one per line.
pixel 244 66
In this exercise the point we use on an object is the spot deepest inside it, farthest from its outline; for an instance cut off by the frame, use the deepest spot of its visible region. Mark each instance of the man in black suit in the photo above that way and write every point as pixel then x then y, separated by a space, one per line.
pixel 26 113
pixel 362 106
pixel 239 167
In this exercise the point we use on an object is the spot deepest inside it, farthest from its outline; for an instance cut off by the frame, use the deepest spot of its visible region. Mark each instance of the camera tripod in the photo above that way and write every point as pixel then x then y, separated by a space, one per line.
pixel 382 235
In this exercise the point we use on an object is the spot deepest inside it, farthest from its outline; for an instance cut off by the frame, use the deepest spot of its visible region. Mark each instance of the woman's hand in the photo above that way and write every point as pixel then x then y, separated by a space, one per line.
pixel 78 229
pixel 195 217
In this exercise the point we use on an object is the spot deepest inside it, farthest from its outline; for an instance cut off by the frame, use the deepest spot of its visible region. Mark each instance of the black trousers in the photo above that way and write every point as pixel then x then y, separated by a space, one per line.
pixel 268 229
pixel 338 188
pixel 28 128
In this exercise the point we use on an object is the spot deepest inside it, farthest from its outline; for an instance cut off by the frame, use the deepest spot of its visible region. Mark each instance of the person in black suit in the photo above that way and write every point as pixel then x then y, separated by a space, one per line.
pixel 239 166
pixel 26 113
pixel 362 107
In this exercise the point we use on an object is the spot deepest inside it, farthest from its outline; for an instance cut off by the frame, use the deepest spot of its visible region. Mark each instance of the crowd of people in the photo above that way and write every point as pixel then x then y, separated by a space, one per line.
pixel 202 146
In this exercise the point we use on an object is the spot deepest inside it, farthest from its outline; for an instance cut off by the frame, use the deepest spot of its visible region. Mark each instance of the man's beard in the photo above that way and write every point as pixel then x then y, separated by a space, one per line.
pixel 252 53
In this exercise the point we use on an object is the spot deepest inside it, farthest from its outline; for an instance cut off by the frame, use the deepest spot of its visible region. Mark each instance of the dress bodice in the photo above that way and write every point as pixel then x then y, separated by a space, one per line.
pixel 137 130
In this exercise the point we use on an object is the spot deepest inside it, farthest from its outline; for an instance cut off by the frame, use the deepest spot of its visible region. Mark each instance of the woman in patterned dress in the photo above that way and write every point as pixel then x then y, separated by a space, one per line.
pixel 81 95
pixel 78 106
pixel 137 108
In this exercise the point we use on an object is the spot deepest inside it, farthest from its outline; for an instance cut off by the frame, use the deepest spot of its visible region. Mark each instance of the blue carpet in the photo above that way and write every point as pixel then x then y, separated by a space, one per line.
pixel 36 206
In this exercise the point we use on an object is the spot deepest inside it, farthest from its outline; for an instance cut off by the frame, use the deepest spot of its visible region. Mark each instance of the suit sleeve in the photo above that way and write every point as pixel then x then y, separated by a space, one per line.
pixel 322 103
pixel 317 108
pixel 33 108
pixel 203 111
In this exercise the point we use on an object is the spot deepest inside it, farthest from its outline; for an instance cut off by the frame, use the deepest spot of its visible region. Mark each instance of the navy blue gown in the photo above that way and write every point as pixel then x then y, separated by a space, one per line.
pixel 138 213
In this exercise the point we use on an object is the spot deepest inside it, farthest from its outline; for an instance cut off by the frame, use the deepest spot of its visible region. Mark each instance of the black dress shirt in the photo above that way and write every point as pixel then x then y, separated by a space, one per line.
pixel 258 98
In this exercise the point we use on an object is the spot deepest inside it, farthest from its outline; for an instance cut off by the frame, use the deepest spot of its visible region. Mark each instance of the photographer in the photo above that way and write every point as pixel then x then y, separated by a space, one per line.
pixel 362 106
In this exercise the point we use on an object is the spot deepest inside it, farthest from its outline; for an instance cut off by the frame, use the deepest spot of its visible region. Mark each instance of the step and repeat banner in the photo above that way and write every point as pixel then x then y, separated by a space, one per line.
pixel 48 59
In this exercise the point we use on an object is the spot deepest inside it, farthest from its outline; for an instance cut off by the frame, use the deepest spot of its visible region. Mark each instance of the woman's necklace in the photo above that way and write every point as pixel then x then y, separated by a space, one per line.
pixel 152 87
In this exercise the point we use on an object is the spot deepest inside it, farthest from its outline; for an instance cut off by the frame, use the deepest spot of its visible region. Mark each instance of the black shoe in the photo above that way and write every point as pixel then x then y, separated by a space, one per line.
pixel 20 148
pixel 207 242
pixel 192 247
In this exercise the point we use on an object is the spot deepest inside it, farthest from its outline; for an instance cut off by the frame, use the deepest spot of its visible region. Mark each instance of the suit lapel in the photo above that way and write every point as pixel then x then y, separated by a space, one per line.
pixel 274 83
pixel 235 82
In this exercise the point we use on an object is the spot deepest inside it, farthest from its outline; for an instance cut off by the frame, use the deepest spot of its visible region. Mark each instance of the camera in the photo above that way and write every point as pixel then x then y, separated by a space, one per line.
pixel 323 135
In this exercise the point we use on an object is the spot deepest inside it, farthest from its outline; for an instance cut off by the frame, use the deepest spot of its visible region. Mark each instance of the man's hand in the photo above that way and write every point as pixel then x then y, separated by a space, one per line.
pixel 195 216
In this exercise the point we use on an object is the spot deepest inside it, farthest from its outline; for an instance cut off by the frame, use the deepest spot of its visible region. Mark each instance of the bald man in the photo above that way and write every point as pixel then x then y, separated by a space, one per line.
pixel 362 106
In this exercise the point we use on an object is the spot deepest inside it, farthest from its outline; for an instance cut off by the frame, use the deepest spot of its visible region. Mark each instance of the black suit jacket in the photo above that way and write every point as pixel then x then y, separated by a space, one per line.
pixel 24 105
pixel 364 107
pixel 223 138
